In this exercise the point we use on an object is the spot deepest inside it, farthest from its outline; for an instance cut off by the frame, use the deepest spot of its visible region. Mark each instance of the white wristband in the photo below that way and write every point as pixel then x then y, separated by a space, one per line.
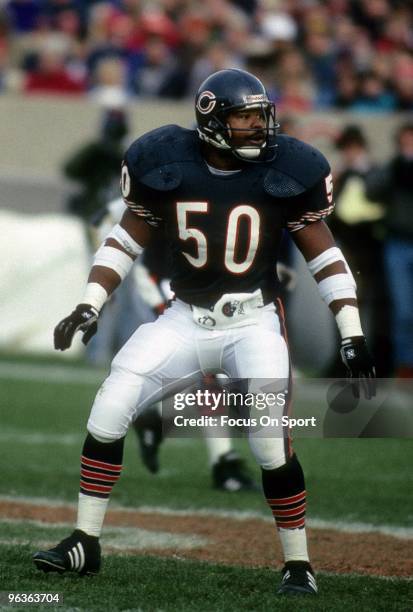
pixel 95 295
pixel 348 322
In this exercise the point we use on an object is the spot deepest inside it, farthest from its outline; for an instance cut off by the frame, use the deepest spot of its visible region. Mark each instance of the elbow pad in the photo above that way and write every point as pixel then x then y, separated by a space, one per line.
pixel 125 240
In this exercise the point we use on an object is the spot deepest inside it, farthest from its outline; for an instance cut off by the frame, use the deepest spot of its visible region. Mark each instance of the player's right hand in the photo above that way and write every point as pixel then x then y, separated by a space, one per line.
pixel 84 319
pixel 360 367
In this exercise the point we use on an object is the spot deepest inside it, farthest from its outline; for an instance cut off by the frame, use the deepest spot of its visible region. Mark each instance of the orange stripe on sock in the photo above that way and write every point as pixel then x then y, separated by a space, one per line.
pixel 283 501
pixel 101 464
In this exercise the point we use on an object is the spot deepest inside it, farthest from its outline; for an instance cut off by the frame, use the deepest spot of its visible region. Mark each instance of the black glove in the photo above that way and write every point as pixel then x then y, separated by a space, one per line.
pixel 360 366
pixel 83 318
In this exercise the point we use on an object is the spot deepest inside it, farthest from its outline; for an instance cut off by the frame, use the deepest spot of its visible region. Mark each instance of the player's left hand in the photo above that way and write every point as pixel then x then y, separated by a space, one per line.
pixel 83 318
pixel 359 363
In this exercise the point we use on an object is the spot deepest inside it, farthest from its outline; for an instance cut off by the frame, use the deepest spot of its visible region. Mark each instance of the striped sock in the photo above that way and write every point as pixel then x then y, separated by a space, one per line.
pixel 288 512
pixel 97 478
pixel 284 489
pixel 101 466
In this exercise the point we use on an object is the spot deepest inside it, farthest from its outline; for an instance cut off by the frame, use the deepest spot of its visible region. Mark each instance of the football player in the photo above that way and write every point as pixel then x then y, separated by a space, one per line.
pixel 146 295
pixel 223 193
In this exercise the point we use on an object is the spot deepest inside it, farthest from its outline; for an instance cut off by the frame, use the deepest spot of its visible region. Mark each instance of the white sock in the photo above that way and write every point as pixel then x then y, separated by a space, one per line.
pixel 294 544
pixel 91 514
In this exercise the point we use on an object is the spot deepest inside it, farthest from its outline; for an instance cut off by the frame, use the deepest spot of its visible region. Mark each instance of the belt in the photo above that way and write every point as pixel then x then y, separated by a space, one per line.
pixel 269 297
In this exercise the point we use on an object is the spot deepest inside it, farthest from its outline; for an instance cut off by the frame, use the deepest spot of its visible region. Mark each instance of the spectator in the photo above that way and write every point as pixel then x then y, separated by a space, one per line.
pixel 372 15
pixel 295 96
pixel 295 87
pixel 373 95
pixel 113 36
pixel 357 225
pixel 109 83
pixel 217 57
pixel 393 186
pixel 321 58
pixel 347 90
pixel 95 166
pixel 51 76
pixel 155 77
pixel 403 80
pixel 361 52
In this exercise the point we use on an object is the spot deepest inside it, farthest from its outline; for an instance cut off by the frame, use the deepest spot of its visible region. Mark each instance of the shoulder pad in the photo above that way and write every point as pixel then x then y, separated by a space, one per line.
pixel 155 157
pixel 297 167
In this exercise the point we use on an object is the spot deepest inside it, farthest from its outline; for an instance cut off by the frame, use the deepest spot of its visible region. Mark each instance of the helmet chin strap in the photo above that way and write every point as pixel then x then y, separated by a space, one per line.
pixel 218 144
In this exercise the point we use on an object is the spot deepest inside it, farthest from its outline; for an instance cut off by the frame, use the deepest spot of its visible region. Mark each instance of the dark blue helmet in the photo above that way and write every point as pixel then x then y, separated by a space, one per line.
pixel 227 91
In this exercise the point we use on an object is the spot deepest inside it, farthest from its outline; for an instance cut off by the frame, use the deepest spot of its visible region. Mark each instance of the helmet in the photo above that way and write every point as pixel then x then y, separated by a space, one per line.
pixel 227 91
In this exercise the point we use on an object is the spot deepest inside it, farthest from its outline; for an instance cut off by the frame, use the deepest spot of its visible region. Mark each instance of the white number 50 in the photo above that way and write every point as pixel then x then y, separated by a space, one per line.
pixel 243 210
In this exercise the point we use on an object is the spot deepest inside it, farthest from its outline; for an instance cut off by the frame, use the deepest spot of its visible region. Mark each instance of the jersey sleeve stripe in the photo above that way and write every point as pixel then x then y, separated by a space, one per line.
pixel 310 217
pixel 144 213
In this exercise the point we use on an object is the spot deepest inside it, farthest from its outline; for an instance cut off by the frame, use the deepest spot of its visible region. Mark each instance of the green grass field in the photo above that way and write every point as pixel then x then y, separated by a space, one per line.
pixel 43 420
pixel 148 583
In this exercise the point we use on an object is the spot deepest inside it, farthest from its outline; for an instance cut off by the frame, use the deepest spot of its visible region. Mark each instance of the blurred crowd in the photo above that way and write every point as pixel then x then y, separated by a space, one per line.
pixel 373 224
pixel 311 54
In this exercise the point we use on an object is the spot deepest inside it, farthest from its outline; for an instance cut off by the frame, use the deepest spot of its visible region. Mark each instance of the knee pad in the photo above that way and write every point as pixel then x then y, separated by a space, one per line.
pixel 276 463
pixel 100 438
pixel 269 453
pixel 115 406
pixel 104 437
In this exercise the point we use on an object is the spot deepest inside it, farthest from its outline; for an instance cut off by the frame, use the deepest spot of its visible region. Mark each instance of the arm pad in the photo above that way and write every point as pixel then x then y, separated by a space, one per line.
pixel 115 259
pixel 336 286
pixel 126 241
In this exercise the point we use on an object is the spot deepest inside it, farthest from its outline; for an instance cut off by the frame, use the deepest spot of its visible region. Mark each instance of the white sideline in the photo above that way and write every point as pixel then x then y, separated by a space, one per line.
pixel 40 439
pixel 52 373
pixel 399 532
pixel 121 538
pixel 68 439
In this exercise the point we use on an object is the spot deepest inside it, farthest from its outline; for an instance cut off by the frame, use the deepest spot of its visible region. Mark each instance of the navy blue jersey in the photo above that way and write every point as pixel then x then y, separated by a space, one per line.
pixel 223 231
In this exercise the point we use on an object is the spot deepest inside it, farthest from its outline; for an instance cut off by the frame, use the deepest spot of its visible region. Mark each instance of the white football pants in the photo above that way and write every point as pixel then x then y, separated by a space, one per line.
pixel 174 348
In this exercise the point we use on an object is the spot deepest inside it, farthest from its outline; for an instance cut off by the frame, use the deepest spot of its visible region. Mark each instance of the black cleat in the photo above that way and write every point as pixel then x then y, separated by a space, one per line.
pixel 148 427
pixel 298 579
pixel 229 474
pixel 78 553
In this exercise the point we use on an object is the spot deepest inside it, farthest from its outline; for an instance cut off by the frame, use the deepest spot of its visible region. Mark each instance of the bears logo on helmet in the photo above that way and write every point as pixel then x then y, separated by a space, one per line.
pixel 206 102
